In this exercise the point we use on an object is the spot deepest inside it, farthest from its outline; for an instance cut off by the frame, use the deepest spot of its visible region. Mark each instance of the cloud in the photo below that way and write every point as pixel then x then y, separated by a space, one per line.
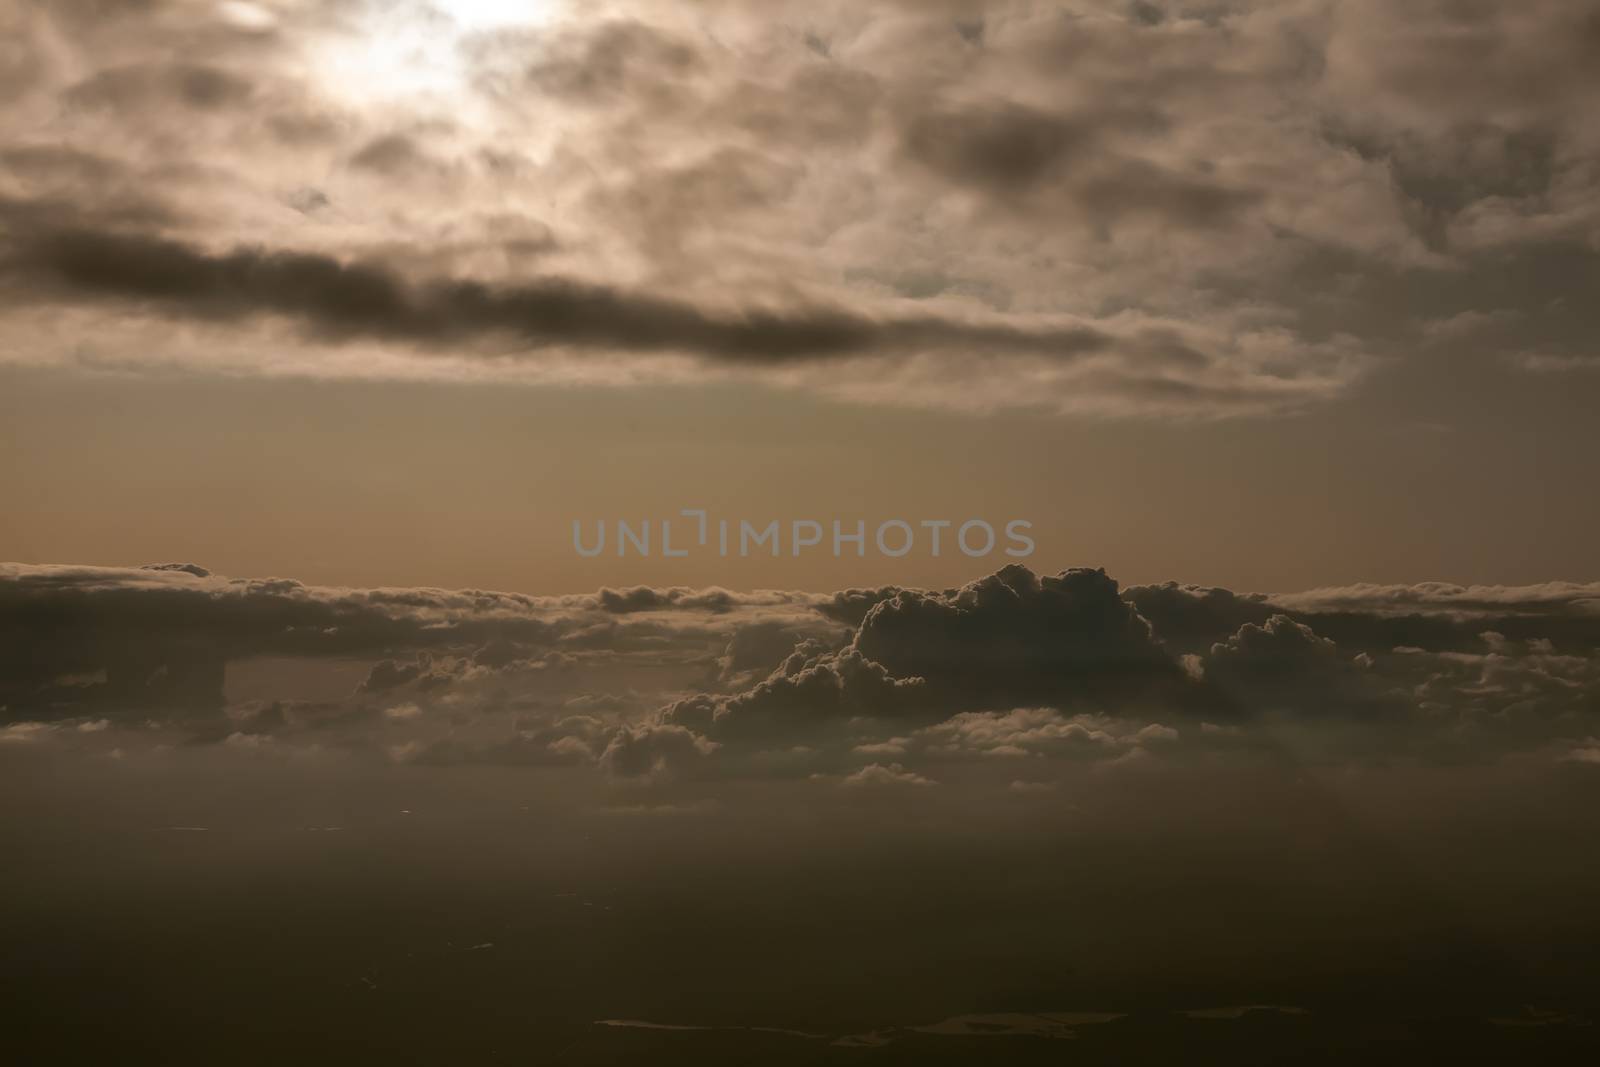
pixel 655 751
pixel 1004 149
pixel 1081 209
pixel 1064 669
pixel 879 775
pixel 20 733
pixel 1016 638
pixel 757 650
pixel 801 698
pixel 611 62
pixel 1588 753
pixel 1192 618
pixel 1282 666
pixel 392 674
pixel 1018 665
pixel 1024 732
pixel 647 598
pixel 390 154
pixel 1572 599
pixel 135 88
pixel 162 638
pixel 1439 616
pixel 342 300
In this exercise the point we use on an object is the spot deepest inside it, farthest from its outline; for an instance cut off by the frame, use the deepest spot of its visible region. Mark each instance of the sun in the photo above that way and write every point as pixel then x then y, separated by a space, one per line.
pixel 398 50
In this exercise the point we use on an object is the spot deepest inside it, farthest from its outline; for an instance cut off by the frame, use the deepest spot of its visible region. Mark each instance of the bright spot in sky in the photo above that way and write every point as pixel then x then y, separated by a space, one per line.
pixel 479 14
pixel 396 49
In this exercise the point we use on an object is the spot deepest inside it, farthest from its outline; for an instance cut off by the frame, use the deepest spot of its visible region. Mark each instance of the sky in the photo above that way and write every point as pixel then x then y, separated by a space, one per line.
pixel 1308 282
pixel 1268 326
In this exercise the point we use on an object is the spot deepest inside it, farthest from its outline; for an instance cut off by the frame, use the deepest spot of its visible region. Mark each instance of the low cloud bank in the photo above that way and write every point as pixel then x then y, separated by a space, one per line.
pixel 878 687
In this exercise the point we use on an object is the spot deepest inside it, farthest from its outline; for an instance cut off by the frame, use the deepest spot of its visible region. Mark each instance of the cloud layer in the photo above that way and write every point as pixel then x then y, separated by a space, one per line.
pixel 1100 207
pixel 880 688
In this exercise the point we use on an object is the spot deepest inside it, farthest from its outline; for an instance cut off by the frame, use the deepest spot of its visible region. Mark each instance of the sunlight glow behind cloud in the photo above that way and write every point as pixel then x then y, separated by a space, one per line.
pixel 406 50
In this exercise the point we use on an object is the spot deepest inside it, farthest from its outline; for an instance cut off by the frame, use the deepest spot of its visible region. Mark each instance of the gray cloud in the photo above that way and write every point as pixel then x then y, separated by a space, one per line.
pixel 1013 666
pixel 1438 616
pixel 1005 149
pixel 342 300
pixel 619 60
pixel 73 637
pixel 1015 638
pixel 1284 667
pixel 655 751
pixel 1007 640
pixel 1103 209
pixel 137 87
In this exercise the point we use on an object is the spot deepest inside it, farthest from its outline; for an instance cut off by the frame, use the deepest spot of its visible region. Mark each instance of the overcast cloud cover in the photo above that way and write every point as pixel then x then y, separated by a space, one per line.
pixel 1120 208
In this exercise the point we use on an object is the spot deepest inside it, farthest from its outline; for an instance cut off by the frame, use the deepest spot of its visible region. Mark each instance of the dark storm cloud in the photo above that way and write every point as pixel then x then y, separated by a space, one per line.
pixel 344 300
pixel 1016 638
pixel 1193 618
pixel 1013 639
pixel 1283 666
pixel 1011 666
pixel 1087 674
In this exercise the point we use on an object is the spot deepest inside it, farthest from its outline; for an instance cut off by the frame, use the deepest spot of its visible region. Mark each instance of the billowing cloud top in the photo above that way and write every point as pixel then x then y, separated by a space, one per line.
pixel 1101 206
pixel 864 688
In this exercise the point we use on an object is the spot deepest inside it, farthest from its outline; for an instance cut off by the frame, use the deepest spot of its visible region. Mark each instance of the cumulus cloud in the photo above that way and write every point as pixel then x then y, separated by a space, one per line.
pixel 800 697
pixel 1010 639
pixel 1017 638
pixel 655 751
pixel 1284 666
pixel 669 687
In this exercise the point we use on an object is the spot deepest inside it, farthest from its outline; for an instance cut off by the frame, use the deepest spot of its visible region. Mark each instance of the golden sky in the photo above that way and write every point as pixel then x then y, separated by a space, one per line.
pixel 389 291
